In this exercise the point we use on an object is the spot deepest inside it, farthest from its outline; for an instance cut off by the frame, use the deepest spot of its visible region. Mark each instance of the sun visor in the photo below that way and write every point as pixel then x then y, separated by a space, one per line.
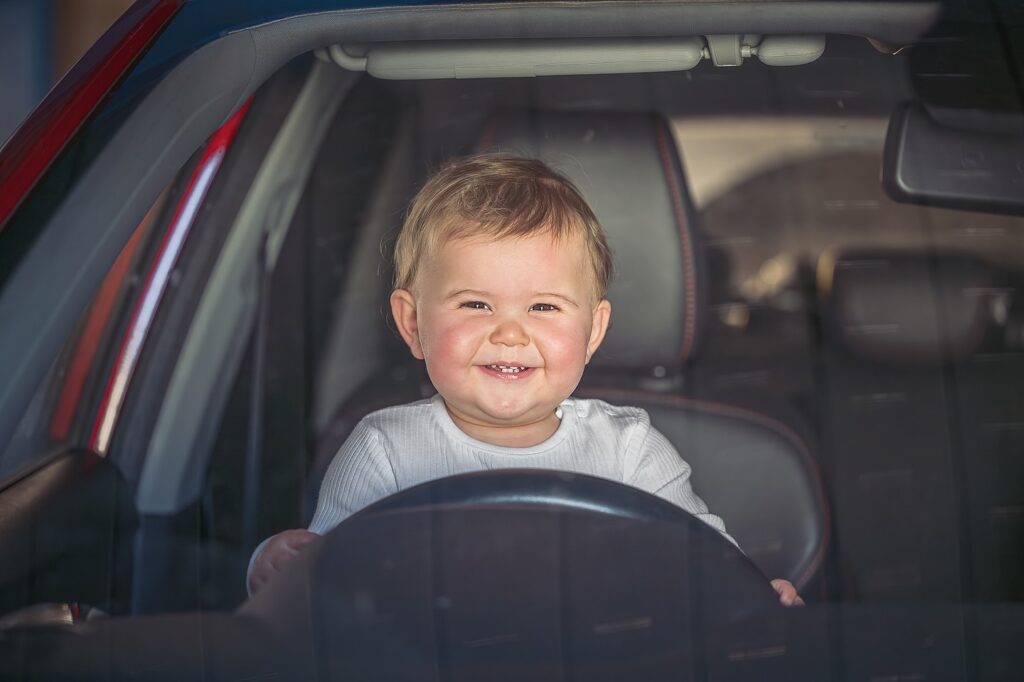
pixel 418 60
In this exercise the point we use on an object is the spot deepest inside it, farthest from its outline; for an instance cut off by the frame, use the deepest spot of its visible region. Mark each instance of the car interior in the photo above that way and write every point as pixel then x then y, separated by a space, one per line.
pixel 841 370
pixel 773 358
pixel 661 298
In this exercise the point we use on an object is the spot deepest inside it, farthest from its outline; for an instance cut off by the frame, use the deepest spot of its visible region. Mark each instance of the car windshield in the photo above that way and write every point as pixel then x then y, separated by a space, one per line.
pixel 814 312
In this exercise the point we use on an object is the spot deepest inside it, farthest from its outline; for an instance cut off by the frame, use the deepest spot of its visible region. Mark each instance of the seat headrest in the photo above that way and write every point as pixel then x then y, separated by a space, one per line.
pixel 906 308
pixel 628 169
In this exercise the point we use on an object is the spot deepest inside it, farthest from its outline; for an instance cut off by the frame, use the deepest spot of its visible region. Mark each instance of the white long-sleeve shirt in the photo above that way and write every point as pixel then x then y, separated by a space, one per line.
pixel 399 447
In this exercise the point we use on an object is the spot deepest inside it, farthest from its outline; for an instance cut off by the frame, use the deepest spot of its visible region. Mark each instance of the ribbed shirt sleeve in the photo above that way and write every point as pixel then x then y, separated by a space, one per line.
pixel 663 472
pixel 359 475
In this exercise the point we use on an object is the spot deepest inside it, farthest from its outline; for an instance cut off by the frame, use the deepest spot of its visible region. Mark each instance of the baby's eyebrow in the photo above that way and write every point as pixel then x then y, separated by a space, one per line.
pixel 483 294
pixel 551 294
pixel 463 292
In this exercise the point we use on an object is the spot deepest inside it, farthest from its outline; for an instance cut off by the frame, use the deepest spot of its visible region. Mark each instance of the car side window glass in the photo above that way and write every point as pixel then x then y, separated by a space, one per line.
pixel 60 411
pixel 303 292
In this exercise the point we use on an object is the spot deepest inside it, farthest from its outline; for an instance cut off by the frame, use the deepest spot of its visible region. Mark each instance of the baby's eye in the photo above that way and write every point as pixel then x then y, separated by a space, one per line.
pixel 475 305
pixel 543 307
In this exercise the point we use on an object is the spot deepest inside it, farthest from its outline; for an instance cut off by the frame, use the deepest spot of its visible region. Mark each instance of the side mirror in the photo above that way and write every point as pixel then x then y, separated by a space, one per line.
pixel 978 169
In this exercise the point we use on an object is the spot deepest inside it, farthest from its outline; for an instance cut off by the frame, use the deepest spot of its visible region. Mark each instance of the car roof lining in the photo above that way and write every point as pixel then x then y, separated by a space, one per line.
pixel 896 23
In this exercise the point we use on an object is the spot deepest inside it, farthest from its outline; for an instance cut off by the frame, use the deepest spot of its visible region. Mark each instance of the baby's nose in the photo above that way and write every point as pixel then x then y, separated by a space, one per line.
pixel 510 333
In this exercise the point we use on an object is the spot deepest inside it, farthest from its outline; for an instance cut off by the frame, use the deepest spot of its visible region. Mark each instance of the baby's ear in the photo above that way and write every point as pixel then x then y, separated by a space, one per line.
pixel 403 309
pixel 599 326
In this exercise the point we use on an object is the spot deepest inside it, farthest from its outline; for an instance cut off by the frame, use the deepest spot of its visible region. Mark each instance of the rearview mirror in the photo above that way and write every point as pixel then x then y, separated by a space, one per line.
pixel 978 169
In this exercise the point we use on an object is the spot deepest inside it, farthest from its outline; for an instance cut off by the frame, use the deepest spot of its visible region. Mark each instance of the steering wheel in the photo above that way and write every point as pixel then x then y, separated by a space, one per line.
pixel 517 570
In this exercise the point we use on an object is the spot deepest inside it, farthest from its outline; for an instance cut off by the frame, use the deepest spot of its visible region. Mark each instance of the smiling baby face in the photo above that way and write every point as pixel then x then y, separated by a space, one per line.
pixel 506 328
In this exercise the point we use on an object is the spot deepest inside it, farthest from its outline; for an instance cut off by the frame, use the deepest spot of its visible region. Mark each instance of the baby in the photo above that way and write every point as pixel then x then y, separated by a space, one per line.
pixel 501 270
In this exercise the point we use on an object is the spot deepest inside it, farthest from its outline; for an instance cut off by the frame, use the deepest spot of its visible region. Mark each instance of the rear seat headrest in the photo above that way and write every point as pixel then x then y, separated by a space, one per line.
pixel 906 308
pixel 627 167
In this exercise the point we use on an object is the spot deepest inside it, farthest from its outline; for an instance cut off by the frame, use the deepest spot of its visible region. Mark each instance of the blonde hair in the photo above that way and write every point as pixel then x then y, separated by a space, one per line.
pixel 498 196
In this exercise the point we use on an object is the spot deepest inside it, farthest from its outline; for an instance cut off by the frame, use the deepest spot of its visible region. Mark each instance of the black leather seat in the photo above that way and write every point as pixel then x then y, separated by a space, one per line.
pixel 901 333
pixel 753 471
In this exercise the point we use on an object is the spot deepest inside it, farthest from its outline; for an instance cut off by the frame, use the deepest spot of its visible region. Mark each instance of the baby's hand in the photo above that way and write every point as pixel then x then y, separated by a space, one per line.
pixel 278 551
pixel 787 593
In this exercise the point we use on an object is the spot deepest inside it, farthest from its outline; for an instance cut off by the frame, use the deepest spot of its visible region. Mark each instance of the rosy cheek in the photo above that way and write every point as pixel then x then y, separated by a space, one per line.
pixel 566 344
pixel 453 341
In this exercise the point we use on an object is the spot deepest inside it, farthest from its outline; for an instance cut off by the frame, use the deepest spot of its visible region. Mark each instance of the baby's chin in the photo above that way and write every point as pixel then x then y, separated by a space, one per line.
pixel 494 419
pixel 506 421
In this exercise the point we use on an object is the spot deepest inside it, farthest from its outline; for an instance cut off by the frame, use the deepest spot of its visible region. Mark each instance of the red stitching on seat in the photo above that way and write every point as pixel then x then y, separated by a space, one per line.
pixel 689 323
pixel 631 396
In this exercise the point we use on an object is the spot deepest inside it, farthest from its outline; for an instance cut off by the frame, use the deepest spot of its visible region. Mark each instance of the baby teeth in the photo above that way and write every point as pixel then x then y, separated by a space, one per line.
pixel 506 370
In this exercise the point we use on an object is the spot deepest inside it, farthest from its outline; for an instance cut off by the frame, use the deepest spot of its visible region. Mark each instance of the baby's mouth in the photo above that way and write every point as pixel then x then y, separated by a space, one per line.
pixel 507 372
pixel 507 369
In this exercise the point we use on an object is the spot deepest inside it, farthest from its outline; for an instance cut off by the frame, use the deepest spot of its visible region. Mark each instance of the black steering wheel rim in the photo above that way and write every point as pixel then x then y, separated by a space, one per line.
pixel 537 487
pixel 520 568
